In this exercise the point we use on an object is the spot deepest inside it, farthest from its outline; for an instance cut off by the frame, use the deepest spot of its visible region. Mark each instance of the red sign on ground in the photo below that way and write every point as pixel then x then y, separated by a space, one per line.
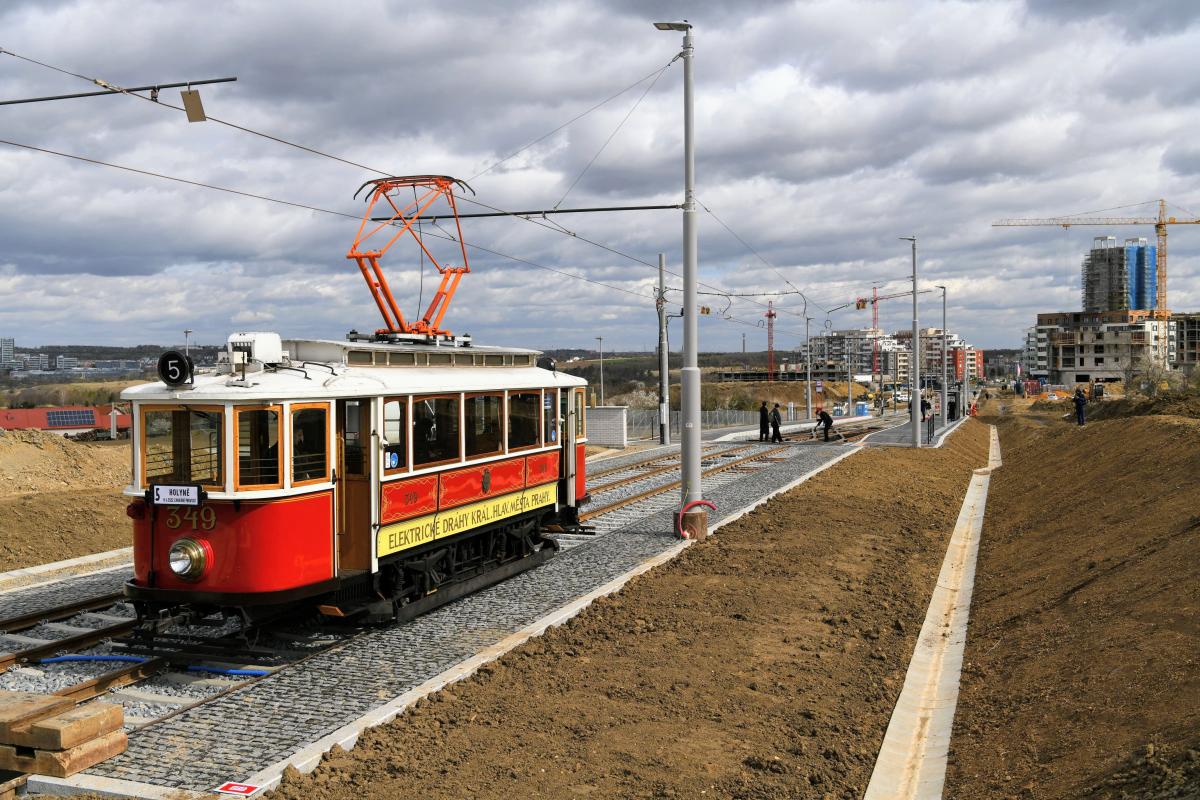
pixel 237 789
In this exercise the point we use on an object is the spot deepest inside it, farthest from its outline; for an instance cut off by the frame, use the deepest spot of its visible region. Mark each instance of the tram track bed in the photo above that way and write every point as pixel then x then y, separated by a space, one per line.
pixel 277 716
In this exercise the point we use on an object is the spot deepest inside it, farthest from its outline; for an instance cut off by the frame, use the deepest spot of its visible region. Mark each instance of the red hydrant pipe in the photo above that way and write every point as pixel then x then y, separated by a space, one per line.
pixel 687 508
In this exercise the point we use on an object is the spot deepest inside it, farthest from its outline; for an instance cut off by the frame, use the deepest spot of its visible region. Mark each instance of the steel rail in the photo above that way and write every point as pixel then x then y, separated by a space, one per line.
pixel 596 490
pixel 56 613
pixel 634 465
pixel 83 639
pixel 676 484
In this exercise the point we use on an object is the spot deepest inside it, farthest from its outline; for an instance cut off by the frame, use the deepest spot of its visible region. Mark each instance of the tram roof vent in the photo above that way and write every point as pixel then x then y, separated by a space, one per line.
pixel 265 348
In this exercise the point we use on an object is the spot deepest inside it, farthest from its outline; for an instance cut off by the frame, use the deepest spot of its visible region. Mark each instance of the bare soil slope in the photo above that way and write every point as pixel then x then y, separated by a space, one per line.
pixel 59 499
pixel 763 663
pixel 1082 669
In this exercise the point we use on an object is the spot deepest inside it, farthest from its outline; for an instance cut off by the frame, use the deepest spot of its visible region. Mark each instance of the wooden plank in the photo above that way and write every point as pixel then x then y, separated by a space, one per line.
pixel 70 728
pixel 63 763
pixel 19 708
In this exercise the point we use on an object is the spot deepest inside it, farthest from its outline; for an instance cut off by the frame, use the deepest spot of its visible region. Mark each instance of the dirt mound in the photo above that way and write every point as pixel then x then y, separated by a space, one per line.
pixel 1085 627
pixel 1180 404
pixel 59 499
pixel 763 663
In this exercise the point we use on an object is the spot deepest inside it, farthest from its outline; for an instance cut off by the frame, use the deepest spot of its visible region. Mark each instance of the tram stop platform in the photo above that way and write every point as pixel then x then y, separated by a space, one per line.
pixel 901 435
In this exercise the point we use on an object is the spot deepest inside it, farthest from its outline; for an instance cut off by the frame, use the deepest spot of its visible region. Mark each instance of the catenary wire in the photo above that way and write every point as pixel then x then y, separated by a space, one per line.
pixel 653 75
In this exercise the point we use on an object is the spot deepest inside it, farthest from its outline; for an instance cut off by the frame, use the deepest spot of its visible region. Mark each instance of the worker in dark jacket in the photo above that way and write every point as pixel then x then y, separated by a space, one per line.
pixel 825 421
pixel 1080 401
pixel 764 422
pixel 776 421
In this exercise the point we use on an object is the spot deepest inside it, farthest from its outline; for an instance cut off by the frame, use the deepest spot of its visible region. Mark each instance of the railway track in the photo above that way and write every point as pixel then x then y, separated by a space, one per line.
pixel 653 467
pixel 762 455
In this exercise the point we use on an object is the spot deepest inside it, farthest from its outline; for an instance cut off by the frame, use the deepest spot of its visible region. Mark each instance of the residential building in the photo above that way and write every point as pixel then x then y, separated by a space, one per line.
pixel 1187 336
pixel 1106 346
pixel 1119 277
pixel 66 362
pixel 7 348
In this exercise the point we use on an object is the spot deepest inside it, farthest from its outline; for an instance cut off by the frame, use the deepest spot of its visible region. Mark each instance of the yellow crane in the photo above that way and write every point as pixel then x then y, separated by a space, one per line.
pixel 1160 224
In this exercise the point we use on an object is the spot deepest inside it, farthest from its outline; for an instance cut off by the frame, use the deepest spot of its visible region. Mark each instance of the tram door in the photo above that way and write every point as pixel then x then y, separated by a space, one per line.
pixel 566 437
pixel 354 485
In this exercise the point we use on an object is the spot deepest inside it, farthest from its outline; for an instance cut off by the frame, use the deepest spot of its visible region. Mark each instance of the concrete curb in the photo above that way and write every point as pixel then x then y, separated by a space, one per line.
pixel 912 760
pixel 24 578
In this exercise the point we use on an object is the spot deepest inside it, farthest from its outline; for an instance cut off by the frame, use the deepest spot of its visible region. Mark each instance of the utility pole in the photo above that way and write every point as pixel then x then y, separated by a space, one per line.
pixel 693 520
pixel 945 356
pixel 600 339
pixel 914 369
pixel 664 384
pixel 807 372
pixel 743 343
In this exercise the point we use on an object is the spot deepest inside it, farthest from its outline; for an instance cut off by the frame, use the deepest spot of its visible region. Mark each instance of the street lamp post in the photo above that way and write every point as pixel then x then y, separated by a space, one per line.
pixel 807 371
pixel 914 370
pixel 693 520
pixel 945 357
pixel 600 339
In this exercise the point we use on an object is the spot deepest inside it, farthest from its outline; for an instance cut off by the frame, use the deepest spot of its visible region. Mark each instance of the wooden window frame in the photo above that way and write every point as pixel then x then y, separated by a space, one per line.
pixel 154 408
pixel 285 456
pixel 413 399
pixel 292 429
pixel 499 451
pixel 508 393
pixel 579 398
pixel 405 425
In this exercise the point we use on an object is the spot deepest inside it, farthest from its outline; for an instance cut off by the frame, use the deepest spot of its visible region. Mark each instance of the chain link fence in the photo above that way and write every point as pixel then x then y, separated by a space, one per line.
pixel 642 423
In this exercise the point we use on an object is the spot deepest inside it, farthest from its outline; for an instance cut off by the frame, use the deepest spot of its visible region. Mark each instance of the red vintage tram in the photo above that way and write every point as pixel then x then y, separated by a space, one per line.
pixel 368 475
pixel 381 475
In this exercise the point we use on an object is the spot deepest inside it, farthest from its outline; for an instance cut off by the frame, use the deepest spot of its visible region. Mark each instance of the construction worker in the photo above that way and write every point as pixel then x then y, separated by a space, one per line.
pixel 764 422
pixel 776 421
pixel 1080 400
pixel 824 420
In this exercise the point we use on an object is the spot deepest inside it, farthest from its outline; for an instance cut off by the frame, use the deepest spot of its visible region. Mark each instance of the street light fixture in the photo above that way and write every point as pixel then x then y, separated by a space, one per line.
pixel 945 356
pixel 914 370
pixel 692 519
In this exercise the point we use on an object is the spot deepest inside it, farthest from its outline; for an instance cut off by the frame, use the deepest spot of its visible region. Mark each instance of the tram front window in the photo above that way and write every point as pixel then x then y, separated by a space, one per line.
pixel 258 447
pixel 182 445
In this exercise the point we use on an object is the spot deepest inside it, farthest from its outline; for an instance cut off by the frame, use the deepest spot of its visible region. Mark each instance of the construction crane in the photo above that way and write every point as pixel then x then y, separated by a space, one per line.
pixel 1160 224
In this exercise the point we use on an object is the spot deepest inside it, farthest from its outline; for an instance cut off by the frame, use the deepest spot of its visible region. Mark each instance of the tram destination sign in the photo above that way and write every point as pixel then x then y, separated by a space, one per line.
pixel 168 495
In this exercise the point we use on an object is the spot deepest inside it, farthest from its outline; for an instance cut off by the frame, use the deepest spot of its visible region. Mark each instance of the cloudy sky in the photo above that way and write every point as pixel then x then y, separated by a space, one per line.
pixel 825 130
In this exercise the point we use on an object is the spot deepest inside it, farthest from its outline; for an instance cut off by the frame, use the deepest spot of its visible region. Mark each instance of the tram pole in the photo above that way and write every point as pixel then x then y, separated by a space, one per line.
pixel 664 383
pixel 914 370
pixel 693 519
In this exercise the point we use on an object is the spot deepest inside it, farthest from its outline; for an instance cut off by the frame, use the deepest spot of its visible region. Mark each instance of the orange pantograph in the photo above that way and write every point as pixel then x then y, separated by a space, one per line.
pixel 426 190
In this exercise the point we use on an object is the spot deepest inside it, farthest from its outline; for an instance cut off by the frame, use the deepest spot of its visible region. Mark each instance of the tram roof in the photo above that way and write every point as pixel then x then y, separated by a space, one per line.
pixel 319 369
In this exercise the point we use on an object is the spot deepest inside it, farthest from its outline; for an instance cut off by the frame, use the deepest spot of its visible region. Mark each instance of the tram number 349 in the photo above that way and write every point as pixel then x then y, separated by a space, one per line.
pixel 200 519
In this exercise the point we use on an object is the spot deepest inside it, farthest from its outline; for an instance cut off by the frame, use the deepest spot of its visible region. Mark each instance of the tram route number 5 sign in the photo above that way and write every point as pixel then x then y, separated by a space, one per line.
pixel 176 495
pixel 174 368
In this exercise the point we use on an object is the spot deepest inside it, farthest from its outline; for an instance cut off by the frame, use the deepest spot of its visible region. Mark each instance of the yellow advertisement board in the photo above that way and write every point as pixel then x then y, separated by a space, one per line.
pixel 413 532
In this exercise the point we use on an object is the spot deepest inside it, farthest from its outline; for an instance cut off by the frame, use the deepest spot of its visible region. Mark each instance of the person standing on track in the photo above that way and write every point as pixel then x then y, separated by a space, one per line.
pixel 1080 403
pixel 764 421
pixel 776 421
pixel 825 421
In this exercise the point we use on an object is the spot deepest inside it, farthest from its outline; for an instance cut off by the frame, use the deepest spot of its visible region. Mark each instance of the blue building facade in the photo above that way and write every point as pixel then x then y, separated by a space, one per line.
pixel 1142 275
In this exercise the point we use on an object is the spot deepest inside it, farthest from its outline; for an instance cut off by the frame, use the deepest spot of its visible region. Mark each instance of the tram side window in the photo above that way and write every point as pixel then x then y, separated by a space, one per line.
pixel 580 418
pixel 551 418
pixel 258 447
pixel 395 455
pixel 183 446
pixel 310 440
pixel 523 419
pixel 435 430
pixel 482 416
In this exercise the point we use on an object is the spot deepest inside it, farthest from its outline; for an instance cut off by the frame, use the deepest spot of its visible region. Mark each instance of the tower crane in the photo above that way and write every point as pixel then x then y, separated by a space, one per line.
pixel 861 303
pixel 1160 224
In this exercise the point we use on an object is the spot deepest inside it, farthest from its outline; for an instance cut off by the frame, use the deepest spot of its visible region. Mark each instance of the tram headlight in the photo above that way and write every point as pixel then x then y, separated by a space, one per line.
pixel 188 559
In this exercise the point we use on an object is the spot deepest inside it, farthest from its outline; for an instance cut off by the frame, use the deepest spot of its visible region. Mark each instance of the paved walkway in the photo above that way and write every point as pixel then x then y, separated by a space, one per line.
pixel 902 435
